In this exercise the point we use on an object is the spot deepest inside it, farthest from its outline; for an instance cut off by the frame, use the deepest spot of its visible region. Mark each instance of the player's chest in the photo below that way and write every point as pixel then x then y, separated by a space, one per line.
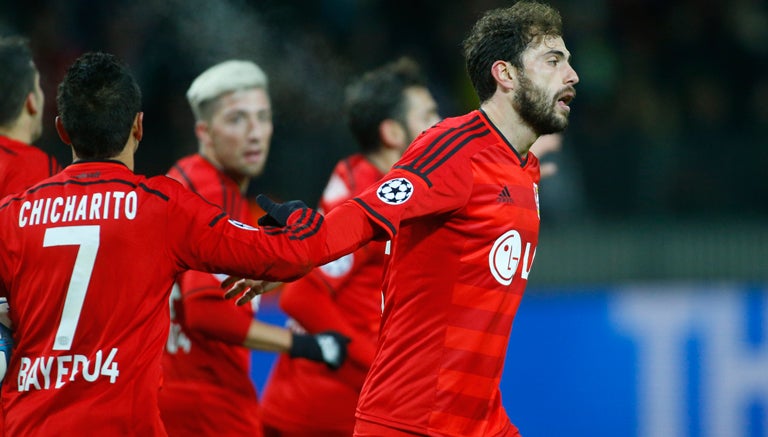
pixel 503 194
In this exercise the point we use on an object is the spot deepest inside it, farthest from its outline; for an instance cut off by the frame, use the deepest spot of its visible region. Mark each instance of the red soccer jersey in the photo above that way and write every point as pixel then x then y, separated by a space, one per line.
pixel 22 165
pixel 344 295
pixel 87 260
pixel 206 370
pixel 461 207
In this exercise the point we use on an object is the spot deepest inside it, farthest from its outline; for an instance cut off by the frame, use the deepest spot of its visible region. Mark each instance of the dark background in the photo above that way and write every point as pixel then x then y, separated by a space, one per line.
pixel 667 126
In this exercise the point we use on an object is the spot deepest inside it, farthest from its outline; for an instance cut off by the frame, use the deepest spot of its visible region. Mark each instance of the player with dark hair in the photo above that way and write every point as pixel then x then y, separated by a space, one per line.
pixel 206 365
pixel 88 258
pixel 385 109
pixel 461 210
pixel 21 124
pixel 21 119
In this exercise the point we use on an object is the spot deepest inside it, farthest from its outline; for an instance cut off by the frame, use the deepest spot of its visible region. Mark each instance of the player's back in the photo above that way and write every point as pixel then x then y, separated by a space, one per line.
pixel 88 259
pixel 22 165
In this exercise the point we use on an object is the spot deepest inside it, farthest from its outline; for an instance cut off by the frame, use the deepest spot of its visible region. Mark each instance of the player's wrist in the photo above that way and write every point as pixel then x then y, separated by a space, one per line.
pixel 304 346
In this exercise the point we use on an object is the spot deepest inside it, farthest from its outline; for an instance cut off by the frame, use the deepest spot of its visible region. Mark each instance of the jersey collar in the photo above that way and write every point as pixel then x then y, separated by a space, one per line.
pixel 523 160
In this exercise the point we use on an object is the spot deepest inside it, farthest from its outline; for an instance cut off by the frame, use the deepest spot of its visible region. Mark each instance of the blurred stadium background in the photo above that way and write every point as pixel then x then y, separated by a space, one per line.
pixel 647 309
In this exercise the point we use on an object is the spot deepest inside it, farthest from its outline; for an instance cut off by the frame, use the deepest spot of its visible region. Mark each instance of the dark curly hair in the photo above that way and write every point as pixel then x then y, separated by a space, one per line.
pixel 98 101
pixel 504 34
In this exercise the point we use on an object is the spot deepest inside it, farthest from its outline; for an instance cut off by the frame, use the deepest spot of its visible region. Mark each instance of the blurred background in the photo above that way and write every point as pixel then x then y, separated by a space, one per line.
pixel 646 312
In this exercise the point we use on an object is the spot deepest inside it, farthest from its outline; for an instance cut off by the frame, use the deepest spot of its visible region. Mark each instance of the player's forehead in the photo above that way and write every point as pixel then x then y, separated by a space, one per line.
pixel 245 100
pixel 547 46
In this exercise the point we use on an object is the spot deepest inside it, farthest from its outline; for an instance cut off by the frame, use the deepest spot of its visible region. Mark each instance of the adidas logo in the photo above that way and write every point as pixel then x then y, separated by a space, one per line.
pixel 504 196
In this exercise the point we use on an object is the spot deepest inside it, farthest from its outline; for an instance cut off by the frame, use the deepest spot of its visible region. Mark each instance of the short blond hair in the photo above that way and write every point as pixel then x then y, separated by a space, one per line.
pixel 223 78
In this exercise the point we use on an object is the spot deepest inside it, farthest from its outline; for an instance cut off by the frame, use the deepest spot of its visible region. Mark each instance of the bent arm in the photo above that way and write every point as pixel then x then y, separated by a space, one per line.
pixel 308 302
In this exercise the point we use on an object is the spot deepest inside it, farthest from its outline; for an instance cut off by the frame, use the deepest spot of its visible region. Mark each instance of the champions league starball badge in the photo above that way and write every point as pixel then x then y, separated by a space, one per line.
pixel 395 191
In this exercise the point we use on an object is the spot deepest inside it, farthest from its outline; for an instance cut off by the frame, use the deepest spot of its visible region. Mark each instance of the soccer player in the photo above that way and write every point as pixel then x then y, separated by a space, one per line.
pixel 21 119
pixel 385 109
pixel 21 124
pixel 206 365
pixel 88 258
pixel 461 211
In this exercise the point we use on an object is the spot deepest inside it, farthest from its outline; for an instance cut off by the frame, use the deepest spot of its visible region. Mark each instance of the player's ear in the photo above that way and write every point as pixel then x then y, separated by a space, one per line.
pixel 30 104
pixel 138 126
pixel 392 133
pixel 504 73
pixel 201 132
pixel 62 132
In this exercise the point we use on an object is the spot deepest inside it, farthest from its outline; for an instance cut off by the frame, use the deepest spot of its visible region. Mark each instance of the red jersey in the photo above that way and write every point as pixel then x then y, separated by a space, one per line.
pixel 23 165
pixel 461 207
pixel 344 295
pixel 206 368
pixel 87 260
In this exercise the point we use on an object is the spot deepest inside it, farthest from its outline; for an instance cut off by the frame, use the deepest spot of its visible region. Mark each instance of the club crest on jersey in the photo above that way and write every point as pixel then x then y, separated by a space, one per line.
pixel 536 196
pixel 241 225
pixel 395 191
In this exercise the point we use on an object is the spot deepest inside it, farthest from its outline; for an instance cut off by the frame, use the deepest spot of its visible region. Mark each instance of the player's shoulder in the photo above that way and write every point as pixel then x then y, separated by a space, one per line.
pixel 450 138
pixel 162 186
pixel 20 156
pixel 448 146
pixel 186 166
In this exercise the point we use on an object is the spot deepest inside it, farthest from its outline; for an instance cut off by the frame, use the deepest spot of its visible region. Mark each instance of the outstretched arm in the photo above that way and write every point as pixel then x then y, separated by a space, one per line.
pixel 347 228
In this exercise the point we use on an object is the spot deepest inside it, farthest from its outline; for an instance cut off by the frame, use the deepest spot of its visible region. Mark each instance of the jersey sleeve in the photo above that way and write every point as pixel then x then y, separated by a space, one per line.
pixel 205 238
pixel 206 311
pixel 404 194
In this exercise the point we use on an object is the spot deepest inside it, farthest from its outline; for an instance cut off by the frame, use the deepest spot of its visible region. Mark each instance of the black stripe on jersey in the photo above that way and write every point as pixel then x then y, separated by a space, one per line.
pixel 472 121
pixel 352 182
pixel 375 214
pixel 7 150
pixel 52 166
pixel 307 226
pixel 442 147
pixel 451 152
pixel 155 192
pixel 186 178
pixel 511 147
pixel 225 202
pixel 217 218
pixel 304 227
pixel 309 229
pixel 82 183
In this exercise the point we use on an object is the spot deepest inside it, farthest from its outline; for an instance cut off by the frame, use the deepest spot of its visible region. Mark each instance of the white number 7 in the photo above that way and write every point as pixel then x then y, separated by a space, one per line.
pixel 87 237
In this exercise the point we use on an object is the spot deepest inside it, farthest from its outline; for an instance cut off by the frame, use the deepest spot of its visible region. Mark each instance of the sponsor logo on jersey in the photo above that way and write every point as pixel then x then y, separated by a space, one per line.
pixel 504 196
pixel 241 225
pixel 505 256
pixel 395 191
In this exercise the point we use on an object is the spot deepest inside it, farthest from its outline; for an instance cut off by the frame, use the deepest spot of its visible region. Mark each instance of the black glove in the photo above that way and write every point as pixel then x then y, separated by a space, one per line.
pixel 327 347
pixel 277 213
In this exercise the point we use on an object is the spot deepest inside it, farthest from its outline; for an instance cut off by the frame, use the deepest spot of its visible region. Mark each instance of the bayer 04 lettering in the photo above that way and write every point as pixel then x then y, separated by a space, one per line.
pixel 53 372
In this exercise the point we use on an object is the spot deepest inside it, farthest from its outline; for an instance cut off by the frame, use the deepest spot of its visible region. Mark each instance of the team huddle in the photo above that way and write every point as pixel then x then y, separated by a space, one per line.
pixel 401 287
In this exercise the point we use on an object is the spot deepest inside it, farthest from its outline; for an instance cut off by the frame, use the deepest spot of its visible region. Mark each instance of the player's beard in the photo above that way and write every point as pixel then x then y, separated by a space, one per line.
pixel 538 109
